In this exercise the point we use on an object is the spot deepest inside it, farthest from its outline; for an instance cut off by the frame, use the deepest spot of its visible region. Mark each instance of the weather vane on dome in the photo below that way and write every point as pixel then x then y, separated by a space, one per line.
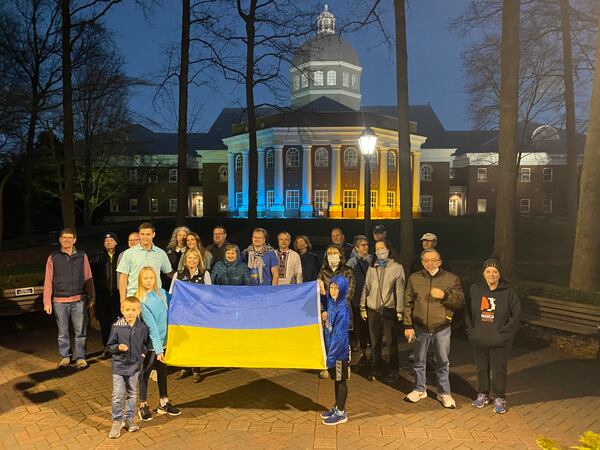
pixel 326 22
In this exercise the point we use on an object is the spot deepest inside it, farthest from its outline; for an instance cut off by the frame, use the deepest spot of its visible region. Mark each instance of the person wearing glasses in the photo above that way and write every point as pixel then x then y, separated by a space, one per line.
pixel 432 296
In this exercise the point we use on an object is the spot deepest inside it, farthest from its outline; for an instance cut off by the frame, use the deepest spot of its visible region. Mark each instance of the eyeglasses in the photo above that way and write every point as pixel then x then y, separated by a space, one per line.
pixel 427 261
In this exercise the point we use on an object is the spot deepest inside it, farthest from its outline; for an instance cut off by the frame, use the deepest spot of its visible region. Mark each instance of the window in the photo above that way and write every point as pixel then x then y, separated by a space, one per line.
pixel 354 81
pixel 223 203
pixel 153 205
pixel 152 176
pixel 321 199
pixel 349 199
pixel 346 79
pixel 525 206
pixel 292 157
pixel 270 199
pixel 172 175
pixel 321 157
pixel 238 200
pixel 391 199
pixel 134 205
pixel 426 171
pixel 547 206
pixel 223 172
pixel 318 80
pixel 296 82
pixel 304 79
pixel 270 158
pixel 239 163
pixel 331 78
pixel 292 199
pixel 451 173
pixel 132 174
pixel 426 203
pixel 482 175
pixel 350 157
pixel 373 199
pixel 481 205
pixel 373 160
pixel 391 160
pixel 172 205
pixel 547 174
pixel 525 175
pixel 114 205
pixel 200 174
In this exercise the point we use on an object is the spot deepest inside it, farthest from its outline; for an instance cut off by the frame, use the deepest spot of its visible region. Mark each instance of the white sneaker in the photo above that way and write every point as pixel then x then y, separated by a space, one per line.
pixel 446 400
pixel 415 396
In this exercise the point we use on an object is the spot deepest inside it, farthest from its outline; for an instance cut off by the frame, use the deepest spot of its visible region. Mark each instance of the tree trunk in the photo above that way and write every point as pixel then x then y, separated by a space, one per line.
pixel 2 186
pixel 251 111
pixel 572 185
pixel 584 270
pixel 182 148
pixel 404 172
pixel 504 242
pixel 68 194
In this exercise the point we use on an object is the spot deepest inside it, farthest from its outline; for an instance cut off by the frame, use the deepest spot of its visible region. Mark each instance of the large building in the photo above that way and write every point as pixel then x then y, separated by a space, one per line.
pixel 310 164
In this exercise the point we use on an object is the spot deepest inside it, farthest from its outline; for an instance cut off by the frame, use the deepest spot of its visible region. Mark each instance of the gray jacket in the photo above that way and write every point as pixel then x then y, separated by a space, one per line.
pixel 384 288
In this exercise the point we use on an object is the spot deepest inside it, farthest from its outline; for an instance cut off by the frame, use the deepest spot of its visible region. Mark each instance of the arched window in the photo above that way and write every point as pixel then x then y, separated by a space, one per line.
pixel 391 160
pixel 292 157
pixel 321 157
pixel 270 159
pixel 318 78
pixel 426 171
pixel 373 160
pixel 331 78
pixel 296 82
pixel 239 163
pixel 350 157
pixel 223 173
pixel 346 79
pixel 354 81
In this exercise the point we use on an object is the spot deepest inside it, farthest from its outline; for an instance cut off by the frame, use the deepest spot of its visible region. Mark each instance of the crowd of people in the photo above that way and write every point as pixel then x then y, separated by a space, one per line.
pixel 367 302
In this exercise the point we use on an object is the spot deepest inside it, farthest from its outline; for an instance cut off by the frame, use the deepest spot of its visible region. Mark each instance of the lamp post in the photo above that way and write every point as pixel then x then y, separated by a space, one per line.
pixel 367 142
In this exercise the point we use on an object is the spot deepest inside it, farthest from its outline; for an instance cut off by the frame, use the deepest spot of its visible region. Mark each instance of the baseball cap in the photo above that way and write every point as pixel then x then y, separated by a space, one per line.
pixel 379 229
pixel 429 237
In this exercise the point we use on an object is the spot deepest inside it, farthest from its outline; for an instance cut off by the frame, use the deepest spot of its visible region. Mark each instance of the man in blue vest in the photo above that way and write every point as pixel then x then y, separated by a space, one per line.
pixel 69 292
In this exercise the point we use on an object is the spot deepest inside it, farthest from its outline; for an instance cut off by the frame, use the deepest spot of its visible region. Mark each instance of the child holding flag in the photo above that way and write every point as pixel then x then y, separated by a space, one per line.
pixel 337 319
pixel 155 309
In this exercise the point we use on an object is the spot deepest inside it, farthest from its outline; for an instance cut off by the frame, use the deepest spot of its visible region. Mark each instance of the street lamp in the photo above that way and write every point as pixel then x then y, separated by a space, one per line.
pixel 367 142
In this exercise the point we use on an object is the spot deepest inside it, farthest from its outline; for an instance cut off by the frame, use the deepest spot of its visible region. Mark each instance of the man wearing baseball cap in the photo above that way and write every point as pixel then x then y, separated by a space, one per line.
pixel 428 241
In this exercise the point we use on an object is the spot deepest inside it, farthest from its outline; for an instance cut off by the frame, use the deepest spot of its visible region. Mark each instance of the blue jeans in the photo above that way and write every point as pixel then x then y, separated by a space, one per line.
pixel 77 313
pixel 124 386
pixel 441 348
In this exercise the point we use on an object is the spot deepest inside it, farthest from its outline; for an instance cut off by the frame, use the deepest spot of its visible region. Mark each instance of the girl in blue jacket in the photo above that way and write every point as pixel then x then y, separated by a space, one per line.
pixel 155 308
pixel 337 320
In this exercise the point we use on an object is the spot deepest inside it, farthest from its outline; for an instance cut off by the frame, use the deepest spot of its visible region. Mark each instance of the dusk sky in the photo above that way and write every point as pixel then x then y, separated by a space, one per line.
pixel 436 75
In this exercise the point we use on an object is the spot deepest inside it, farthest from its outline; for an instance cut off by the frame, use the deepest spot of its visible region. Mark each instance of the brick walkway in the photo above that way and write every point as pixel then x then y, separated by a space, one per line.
pixel 550 393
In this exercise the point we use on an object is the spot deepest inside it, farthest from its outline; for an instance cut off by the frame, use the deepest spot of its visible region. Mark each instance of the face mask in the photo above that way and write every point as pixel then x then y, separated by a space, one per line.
pixel 333 260
pixel 382 254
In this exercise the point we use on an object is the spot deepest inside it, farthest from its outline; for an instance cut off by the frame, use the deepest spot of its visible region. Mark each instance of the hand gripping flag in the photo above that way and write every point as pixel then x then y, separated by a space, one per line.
pixel 245 326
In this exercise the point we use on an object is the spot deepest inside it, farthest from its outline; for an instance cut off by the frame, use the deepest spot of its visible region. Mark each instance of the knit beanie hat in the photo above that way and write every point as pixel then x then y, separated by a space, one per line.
pixel 110 234
pixel 492 261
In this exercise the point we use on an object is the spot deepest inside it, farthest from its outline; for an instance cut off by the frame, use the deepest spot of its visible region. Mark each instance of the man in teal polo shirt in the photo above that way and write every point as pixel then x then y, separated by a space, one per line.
pixel 141 255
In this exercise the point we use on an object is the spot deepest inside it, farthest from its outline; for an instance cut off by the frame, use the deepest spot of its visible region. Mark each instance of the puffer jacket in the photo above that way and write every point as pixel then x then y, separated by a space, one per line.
pixel 231 273
pixel 390 276
pixel 325 275
pixel 421 309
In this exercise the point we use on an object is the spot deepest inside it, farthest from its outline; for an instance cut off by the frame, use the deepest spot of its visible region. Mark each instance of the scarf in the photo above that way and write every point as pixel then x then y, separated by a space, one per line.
pixel 255 259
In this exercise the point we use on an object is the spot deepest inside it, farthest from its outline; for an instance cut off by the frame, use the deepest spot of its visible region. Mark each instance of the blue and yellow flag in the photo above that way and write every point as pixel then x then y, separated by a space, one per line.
pixel 245 326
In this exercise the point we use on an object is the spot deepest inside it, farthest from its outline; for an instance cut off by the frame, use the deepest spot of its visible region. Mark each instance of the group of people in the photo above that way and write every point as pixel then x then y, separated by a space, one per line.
pixel 366 301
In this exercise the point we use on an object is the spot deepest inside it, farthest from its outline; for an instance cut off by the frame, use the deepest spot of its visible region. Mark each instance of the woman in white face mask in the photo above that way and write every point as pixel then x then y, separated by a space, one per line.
pixel 382 304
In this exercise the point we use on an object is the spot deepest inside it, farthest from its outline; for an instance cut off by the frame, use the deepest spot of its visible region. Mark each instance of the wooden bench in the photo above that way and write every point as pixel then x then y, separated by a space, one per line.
pixel 562 315
pixel 21 300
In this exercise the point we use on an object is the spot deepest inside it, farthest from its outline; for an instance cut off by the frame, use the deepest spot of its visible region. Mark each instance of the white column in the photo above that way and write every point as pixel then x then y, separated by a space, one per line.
pixel 231 184
pixel 245 182
pixel 361 187
pixel 277 210
pixel 335 208
pixel 383 183
pixel 260 198
pixel 306 209
pixel 416 182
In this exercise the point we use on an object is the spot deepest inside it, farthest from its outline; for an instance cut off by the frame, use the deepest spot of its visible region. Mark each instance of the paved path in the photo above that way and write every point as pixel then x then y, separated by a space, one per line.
pixel 550 392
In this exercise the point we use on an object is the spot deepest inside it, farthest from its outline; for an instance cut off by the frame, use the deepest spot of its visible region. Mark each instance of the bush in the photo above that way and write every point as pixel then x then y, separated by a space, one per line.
pixel 588 440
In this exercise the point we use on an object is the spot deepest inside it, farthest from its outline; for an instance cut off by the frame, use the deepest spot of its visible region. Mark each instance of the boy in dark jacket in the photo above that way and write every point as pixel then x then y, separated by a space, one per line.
pixel 128 343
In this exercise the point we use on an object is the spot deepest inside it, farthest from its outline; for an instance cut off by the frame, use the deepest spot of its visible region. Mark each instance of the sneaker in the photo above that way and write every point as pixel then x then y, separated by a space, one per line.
pixel 446 400
pixel 183 373
pixel 480 401
pixel 415 396
pixel 168 409
pixel 64 362
pixel 392 377
pixel 144 413
pixel 81 364
pixel 331 412
pixel 500 405
pixel 324 374
pixel 336 419
pixel 198 377
pixel 130 425
pixel 115 431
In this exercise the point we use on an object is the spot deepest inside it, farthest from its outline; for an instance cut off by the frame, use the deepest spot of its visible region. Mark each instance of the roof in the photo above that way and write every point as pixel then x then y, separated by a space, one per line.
pixel 326 47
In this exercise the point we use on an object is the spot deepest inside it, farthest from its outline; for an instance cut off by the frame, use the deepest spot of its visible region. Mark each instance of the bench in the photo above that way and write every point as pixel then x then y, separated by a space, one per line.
pixel 21 300
pixel 561 315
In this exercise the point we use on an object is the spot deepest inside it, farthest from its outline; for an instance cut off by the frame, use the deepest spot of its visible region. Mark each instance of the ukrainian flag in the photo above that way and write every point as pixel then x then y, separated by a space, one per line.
pixel 245 326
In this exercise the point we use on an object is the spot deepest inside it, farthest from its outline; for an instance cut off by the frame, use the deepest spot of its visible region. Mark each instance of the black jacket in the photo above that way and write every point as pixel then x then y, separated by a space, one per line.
pixel 104 271
pixel 310 266
pixel 492 317
pixel 136 340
